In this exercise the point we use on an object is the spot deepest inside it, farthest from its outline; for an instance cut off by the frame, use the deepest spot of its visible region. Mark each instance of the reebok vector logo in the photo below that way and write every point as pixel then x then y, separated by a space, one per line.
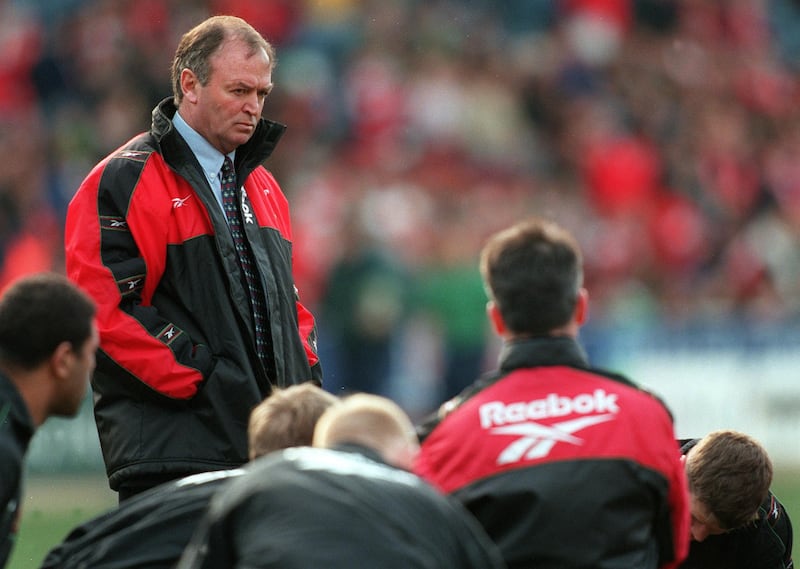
pixel 179 202
pixel 535 439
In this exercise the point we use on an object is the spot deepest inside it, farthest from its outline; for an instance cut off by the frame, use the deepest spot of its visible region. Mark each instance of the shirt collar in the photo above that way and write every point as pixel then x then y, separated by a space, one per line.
pixel 209 157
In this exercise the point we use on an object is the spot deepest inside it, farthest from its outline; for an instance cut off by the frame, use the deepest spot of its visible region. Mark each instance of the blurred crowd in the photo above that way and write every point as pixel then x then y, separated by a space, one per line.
pixel 664 133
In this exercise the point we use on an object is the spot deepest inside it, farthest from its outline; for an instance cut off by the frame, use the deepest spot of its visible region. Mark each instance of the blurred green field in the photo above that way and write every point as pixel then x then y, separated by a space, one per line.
pixel 53 506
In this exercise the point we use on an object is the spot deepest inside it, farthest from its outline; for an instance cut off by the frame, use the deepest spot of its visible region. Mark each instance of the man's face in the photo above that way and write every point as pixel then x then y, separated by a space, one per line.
pixel 704 523
pixel 80 363
pixel 226 110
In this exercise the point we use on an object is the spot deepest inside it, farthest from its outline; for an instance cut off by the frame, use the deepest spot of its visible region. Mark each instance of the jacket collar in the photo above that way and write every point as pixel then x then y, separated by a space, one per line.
pixel 515 354
pixel 541 351
pixel 249 155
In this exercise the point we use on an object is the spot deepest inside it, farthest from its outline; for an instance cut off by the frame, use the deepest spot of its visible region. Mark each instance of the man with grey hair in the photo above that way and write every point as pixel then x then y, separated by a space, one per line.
pixel 184 240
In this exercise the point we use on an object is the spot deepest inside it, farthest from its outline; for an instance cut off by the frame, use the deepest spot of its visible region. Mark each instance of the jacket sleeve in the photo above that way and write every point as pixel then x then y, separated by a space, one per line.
pixel 308 333
pixel 115 250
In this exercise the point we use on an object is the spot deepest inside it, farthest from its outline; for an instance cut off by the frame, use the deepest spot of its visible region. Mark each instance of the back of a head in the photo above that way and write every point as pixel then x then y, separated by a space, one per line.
pixel 37 313
pixel 287 418
pixel 533 272
pixel 729 472
pixel 371 421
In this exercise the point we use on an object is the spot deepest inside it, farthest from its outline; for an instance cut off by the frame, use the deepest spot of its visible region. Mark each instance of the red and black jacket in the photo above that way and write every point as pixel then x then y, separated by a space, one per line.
pixel 177 373
pixel 564 466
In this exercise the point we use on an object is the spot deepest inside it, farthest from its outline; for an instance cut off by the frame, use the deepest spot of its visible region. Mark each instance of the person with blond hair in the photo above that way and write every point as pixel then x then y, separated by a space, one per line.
pixel 287 418
pixel 737 522
pixel 347 502
pixel 368 422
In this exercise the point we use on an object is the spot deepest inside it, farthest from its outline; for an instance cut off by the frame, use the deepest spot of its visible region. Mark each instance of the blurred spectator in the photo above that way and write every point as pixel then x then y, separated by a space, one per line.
pixel 362 309
pixel 451 296
pixel 21 43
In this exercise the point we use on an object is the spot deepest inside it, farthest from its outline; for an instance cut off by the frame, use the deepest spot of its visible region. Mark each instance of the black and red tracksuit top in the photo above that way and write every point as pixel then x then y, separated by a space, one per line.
pixel 177 374
pixel 565 467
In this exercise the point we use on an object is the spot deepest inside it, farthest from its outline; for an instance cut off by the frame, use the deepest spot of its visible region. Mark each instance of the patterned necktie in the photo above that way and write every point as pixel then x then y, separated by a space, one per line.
pixel 230 199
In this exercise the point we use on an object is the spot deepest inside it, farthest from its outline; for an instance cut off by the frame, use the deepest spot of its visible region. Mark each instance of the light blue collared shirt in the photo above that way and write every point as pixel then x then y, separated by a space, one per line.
pixel 209 157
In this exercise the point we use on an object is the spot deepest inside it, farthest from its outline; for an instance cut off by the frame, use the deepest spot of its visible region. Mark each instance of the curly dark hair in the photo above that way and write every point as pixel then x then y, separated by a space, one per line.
pixel 37 313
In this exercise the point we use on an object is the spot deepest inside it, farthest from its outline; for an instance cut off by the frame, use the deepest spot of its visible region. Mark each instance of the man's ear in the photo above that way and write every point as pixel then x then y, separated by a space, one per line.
pixel 498 324
pixel 189 84
pixel 60 360
pixel 582 307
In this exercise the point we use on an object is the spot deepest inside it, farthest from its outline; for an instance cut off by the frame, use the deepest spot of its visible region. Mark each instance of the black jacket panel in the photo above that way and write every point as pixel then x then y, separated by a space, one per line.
pixel 337 509
pixel 16 431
